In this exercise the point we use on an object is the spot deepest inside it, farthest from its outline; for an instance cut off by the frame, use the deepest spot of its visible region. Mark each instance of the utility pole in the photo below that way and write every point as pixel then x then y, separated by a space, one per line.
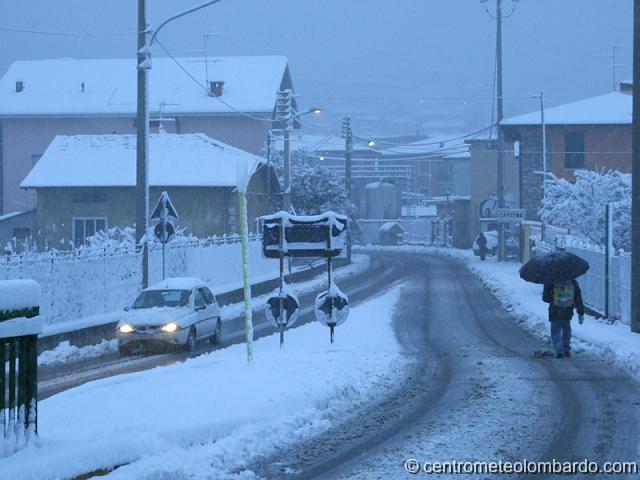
pixel 284 112
pixel 347 133
pixel 142 142
pixel 500 115
pixel 499 16
pixel 269 172
pixel 635 177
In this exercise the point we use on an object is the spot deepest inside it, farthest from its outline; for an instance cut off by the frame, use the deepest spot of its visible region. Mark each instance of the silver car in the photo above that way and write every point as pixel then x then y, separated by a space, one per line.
pixel 176 312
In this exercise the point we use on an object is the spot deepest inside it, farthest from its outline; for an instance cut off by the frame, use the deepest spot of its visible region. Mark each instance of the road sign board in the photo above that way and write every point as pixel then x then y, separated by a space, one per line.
pixel 511 215
pixel 164 209
pixel 164 236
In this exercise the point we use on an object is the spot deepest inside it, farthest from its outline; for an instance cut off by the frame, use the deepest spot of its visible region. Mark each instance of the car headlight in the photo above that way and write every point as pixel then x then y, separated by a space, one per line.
pixel 170 328
pixel 126 328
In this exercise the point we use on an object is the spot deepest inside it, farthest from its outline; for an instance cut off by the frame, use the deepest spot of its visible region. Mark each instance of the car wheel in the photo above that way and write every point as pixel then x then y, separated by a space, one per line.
pixel 124 351
pixel 191 340
pixel 216 338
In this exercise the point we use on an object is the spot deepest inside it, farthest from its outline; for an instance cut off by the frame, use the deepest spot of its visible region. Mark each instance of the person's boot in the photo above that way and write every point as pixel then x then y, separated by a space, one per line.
pixel 567 354
pixel 559 355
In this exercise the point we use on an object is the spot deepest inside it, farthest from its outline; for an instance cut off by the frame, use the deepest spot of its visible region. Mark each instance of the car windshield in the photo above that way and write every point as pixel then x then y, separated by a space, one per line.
pixel 162 298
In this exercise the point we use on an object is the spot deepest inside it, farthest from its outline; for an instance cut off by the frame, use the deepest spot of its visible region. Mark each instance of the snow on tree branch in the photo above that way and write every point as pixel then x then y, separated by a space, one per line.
pixel 580 206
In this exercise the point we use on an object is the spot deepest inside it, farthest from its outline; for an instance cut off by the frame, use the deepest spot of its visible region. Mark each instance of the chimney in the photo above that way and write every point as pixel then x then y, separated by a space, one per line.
pixel 82 87
pixel 626 87
pixel 19 86
pixel 216 88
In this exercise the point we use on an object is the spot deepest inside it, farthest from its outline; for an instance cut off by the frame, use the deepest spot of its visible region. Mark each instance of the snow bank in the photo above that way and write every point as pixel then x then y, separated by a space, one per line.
pixel 65 352
pixel 215 413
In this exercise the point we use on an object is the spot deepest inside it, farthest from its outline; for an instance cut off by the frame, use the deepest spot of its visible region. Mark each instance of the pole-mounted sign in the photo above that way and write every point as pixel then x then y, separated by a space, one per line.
pixel 286 235
pixel 165 214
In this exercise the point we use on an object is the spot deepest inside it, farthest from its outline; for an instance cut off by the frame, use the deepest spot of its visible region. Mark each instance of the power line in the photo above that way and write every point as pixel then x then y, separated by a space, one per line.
pixel 201 85
pixel 426 144
pixel 66 34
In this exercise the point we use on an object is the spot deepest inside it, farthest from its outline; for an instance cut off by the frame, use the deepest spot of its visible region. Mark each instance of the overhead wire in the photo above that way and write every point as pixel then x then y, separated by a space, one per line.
pixel 66 34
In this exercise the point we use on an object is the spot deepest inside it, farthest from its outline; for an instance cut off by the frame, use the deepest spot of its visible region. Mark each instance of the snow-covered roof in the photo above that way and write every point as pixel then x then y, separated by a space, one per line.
pixel 611 109
pixel 55 86
pixel 177 283
pixel 180 160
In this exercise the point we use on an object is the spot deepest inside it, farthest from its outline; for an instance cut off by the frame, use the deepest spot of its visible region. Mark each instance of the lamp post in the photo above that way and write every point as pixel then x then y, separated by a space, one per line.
pixel 498 17
pixel 284 111
pixel 146 38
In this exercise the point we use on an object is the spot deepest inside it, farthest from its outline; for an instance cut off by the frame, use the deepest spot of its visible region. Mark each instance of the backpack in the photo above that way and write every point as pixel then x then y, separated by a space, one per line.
pixel 563 295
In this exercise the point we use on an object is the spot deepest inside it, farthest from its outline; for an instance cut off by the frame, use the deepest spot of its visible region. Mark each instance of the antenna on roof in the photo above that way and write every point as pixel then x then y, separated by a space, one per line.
pixel 205 36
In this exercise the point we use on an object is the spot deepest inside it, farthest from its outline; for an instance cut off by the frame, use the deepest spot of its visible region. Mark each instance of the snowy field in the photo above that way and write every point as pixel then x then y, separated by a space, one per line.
pixel 215 413
pixel 524 300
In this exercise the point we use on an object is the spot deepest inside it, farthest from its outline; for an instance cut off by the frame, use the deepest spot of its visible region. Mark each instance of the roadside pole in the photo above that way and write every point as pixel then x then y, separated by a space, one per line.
pixel 500 115
pixel 243 182
pixel 142 141
pixel 607 257
pixel 347 133
pixel 635 214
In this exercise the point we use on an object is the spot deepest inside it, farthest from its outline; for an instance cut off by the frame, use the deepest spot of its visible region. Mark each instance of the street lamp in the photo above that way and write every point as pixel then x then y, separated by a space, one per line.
pixel 289 117
pixel 146 38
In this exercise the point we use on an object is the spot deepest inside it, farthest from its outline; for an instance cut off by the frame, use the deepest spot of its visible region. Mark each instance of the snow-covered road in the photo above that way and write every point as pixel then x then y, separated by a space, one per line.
pixel 473 391
pixel 458 382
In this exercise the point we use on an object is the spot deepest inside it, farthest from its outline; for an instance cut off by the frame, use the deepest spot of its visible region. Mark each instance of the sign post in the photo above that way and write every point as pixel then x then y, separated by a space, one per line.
pixel 286 235
pixel 166 215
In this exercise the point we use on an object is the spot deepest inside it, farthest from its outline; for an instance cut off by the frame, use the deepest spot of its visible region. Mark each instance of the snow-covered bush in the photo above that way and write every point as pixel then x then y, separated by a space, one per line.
pixel 316 189
pixel 580 205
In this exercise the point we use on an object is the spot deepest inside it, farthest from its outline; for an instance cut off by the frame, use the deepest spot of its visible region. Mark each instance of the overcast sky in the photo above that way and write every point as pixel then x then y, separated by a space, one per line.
pixel 358 51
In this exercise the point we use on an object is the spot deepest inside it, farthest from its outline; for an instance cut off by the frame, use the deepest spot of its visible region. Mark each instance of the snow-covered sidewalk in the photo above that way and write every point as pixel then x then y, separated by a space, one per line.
pixel 524 300
pixel 215 413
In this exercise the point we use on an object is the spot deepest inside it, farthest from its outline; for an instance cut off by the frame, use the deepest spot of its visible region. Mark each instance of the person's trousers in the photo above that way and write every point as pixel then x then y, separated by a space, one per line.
pixel 561 335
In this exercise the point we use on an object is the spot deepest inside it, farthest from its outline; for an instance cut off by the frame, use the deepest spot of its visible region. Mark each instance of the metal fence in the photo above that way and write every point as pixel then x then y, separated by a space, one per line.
pixel 594 283
pixel 92 281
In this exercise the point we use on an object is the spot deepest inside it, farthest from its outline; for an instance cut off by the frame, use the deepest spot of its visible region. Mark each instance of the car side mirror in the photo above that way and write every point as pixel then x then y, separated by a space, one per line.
pixel 126 309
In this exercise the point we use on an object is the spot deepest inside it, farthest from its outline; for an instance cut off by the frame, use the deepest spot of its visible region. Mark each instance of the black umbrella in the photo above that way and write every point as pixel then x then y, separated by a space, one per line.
pixel 555 267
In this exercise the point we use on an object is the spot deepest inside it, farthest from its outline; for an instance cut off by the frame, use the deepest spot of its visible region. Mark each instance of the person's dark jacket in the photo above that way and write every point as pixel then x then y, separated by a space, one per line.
pixel 482 242
pixel 563 313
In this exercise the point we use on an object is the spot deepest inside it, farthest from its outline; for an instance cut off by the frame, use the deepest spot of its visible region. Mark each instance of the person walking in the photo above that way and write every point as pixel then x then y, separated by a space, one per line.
pixel 563 298
pixel 482 246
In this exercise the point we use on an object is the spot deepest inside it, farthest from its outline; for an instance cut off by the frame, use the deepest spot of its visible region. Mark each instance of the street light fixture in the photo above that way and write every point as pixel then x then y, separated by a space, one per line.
pixel 288 117
pixel 371 144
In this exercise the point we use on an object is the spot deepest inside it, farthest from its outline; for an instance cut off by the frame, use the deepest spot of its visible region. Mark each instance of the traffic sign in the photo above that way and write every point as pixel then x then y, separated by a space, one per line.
pixel 164 234
pixel 511 215
pixel 164 209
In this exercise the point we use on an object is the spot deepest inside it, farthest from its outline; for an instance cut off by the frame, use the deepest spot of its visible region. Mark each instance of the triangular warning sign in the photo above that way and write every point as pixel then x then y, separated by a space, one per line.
pixel 164 202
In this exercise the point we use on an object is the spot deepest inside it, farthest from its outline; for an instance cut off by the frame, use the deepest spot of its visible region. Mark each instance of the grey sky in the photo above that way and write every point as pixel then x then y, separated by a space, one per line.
pixel 411 50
